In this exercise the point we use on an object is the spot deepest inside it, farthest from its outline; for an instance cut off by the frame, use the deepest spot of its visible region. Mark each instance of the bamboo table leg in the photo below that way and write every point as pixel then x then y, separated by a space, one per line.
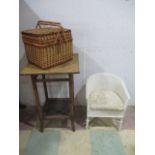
pixel 45 86
pixel 45 91
pixel 37 102
pixel 71 93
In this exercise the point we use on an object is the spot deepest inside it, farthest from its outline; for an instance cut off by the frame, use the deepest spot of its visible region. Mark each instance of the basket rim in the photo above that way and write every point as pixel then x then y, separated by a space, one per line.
pixel 30 32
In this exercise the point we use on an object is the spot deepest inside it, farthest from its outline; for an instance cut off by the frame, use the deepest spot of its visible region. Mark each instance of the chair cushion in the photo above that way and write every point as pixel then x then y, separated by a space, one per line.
pixel 105 100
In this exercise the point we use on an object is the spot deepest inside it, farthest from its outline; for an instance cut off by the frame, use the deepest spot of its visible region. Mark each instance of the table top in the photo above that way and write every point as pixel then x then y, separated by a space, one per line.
pixel 70 67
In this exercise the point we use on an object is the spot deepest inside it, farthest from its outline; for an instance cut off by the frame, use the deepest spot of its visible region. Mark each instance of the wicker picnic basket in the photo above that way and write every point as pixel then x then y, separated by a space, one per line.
pixel 48 45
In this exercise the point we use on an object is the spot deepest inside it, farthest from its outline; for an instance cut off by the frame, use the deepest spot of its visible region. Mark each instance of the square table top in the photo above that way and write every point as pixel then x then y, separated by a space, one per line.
pixel 70 67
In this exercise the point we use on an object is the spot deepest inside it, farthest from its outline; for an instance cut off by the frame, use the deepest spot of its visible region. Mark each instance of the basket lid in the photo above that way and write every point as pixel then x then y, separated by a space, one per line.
pixel 43 31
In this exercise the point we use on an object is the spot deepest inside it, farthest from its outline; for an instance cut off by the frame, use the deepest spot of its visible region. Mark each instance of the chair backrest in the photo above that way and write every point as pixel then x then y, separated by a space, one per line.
pixel 107 81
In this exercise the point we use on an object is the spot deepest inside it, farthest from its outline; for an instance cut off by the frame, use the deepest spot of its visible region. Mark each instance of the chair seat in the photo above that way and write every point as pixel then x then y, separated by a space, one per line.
pixel 105 100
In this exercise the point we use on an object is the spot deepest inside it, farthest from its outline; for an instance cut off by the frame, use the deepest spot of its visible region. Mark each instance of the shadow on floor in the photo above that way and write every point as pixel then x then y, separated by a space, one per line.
pixel 28 117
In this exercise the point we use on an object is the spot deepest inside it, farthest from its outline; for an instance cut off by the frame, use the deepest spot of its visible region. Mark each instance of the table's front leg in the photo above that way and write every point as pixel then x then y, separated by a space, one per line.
pixel 71 93
pixel 46 93
pixel 37 102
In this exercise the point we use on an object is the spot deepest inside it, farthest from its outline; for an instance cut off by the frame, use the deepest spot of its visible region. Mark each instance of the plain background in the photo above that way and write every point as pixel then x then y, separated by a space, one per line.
pixel 145 77
pixel 103 36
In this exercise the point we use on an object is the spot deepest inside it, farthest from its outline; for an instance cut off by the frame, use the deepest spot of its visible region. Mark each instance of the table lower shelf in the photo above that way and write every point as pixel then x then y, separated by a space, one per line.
pixel 58 116
pixel 56 108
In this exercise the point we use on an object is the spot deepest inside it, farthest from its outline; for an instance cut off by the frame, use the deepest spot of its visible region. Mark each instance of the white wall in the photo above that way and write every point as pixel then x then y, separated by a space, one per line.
pixel 103 33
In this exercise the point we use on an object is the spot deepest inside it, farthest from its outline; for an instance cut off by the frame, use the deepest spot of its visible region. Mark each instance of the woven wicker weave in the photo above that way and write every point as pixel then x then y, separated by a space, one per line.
pixel 48 45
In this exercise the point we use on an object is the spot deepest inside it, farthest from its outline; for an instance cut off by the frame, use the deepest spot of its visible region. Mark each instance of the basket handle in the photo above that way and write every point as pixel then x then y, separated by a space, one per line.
pixel 52 24
pixel 47 23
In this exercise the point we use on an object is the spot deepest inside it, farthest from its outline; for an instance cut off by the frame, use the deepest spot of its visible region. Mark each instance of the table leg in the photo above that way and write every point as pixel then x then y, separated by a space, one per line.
pixel 45 86
pixel 71 93
pixel 37 102
pixel 45 91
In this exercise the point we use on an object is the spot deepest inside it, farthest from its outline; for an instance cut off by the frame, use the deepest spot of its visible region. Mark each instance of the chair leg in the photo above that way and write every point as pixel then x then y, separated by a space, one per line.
pixel 120 124
pixel 87 123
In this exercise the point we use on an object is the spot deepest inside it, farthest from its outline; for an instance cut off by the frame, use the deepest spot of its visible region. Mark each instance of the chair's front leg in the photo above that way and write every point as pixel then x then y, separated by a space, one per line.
pixel 87 123
pixel 120 123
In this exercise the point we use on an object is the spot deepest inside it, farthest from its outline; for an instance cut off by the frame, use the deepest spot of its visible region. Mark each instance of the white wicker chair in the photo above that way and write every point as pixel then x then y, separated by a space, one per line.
pixel 116 98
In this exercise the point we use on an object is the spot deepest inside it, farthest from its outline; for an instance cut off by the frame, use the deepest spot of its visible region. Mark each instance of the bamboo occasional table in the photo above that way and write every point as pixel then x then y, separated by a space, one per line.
pixel 39 75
